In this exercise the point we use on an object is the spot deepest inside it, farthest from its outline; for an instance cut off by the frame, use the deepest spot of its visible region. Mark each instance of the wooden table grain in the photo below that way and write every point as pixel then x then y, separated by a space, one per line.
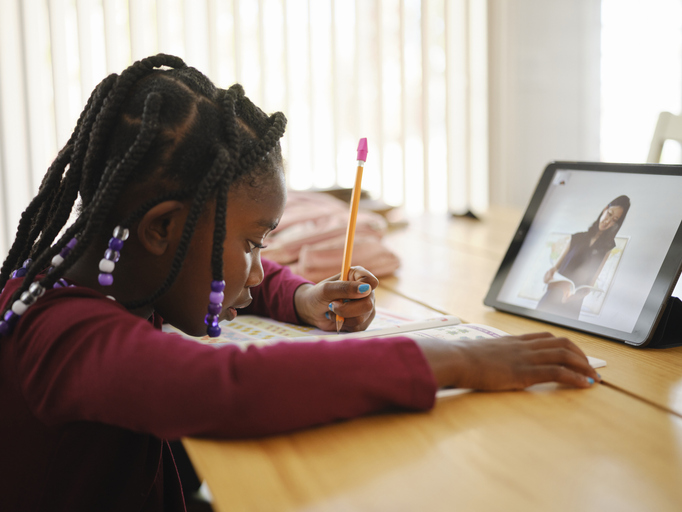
pixel 541 449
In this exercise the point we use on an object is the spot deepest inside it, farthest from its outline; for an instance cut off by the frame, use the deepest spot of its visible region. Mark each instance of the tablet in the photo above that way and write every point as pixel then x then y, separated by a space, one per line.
pixel 599 249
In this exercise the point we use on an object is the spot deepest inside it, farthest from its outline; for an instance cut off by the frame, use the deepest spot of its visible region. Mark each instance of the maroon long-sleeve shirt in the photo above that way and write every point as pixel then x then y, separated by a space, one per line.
pixel 89 393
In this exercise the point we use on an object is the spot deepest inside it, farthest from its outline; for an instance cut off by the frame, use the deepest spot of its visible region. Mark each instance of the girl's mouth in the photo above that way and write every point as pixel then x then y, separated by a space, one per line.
pixel 231 312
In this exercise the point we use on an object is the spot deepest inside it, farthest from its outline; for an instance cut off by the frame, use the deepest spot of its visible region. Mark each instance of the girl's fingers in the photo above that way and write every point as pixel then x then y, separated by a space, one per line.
pixel 357 314
pixel 351 308
pixel 562 358
pixel 542 343
pixel 559 374
pixel 543 340
pixel 363 275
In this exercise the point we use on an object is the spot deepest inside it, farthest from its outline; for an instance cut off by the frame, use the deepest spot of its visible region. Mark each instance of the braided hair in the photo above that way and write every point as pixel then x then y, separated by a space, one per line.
pixel 160 121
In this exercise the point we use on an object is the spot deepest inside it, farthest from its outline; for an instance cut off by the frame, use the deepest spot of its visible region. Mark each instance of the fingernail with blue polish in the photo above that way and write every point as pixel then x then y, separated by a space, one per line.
pixel 363 288
pixel 328 315
pixel 590 380
pixel 599 376
pixel 331 307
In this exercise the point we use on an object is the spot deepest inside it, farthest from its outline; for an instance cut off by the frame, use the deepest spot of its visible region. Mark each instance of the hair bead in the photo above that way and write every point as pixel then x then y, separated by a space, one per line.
pixel 105 279
pixel 115 244
pixel 36 290
pixel 121 233
pixel 216 297
pixel 19 307
pixel 21 271
pixel 217 286
pixel 112 255
pixel 215 306
pixel 5 328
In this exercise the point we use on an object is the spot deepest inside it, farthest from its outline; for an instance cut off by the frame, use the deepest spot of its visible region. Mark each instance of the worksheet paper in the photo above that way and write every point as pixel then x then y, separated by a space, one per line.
pixel 248 330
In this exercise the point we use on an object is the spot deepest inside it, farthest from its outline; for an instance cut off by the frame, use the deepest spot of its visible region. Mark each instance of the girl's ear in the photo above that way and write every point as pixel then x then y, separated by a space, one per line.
pixel 161 226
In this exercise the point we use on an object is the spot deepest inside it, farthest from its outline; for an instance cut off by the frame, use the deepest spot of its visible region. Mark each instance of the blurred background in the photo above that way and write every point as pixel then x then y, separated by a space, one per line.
pixel 463 102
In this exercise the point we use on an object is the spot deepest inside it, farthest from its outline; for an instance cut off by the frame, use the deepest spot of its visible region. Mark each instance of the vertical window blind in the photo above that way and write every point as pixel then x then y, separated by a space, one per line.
pixel 410 75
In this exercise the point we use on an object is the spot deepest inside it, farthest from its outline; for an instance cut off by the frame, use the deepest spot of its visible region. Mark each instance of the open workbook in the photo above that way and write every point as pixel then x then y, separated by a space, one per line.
pixel 256 330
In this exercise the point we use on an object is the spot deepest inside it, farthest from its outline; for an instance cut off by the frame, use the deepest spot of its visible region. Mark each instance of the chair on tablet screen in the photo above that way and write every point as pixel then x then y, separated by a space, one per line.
pixel 668 127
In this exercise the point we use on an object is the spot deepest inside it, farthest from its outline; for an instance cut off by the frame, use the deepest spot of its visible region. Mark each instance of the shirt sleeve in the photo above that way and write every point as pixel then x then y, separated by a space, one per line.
pixel 274 297
pixel 82 357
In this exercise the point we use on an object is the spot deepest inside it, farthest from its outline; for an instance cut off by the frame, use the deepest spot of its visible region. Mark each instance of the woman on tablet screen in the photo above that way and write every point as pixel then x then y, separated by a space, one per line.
pixel 582 261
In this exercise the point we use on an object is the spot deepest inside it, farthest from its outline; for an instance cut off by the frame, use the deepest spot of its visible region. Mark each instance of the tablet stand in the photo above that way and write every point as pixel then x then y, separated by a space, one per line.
pixel 669 331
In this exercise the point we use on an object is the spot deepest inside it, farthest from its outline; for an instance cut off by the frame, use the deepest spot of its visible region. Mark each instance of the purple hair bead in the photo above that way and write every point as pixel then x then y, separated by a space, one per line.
pixel 211 320
pixel 216 297
pixel 105 279
pixel 214 332
pixel 8 322
pixel 215 306
pixel 217 286
pixel 115 244
pixel 214 309
pixel 21 271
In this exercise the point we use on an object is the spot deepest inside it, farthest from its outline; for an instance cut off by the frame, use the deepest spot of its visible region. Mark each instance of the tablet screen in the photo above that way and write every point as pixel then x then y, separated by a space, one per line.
pixel 598 249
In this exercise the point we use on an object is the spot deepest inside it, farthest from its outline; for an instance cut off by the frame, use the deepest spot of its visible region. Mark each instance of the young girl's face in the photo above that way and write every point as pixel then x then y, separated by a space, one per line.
pixel 252 212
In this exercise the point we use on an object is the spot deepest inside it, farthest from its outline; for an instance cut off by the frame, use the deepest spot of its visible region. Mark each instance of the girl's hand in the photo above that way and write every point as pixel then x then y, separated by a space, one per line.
pixel 353 299
pixel 512 362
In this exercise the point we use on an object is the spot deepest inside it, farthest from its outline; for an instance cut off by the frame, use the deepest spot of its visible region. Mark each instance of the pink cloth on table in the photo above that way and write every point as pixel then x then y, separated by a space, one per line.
pixel 311 235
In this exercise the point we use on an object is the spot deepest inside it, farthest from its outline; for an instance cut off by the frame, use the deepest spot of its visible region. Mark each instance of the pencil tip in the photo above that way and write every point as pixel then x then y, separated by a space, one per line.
pixel 339 324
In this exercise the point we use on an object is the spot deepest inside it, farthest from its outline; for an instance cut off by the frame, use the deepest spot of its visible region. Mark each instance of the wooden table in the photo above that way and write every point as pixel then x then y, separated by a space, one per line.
pixel 612 447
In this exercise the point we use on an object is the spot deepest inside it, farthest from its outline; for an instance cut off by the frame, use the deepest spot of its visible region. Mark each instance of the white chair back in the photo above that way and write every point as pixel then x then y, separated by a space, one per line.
pixel 668 127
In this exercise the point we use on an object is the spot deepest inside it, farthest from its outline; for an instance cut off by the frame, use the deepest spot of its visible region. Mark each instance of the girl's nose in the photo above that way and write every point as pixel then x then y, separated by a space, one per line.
pixel 256 274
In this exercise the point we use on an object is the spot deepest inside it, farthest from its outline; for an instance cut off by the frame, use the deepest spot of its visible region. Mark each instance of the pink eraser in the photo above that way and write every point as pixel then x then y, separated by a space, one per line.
pixel 362 149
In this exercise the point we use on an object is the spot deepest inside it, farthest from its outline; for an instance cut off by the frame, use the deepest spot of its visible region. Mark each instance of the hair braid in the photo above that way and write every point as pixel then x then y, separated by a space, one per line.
pixel 219 229
pixel 107 194
pixel 93 215
pixel 48 202
pixel 266 143
pixel 107 116
pixel 229 107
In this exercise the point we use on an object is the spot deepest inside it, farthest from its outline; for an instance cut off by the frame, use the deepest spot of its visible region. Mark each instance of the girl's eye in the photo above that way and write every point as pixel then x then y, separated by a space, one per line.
pixel 254 245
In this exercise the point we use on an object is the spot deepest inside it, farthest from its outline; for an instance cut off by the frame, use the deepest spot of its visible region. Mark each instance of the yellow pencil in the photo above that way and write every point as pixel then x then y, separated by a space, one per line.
pixel 350 233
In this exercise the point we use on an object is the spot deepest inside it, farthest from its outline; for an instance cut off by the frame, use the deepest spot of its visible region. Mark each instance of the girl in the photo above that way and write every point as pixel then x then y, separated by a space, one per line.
pixel 179 185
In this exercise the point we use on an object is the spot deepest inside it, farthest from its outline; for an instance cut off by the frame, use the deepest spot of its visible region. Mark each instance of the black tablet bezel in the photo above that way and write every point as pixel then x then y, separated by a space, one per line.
pixel 663 285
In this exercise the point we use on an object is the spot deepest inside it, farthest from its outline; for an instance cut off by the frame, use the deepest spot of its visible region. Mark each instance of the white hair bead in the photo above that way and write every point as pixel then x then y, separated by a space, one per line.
pixel 57 260
pixel 19 307
pixel 106 265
